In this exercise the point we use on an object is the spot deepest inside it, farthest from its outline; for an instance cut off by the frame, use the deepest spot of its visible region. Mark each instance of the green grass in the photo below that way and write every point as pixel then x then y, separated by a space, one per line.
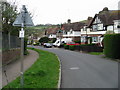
pixel 96 53
pixel 44 73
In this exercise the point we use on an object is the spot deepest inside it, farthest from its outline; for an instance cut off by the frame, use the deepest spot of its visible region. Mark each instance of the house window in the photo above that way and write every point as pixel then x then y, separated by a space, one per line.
pixel 71 32
pixel 65 32
pixel 94 39
pixel 84 29
pixel 100 27
pixel 94 27
pixel 83 39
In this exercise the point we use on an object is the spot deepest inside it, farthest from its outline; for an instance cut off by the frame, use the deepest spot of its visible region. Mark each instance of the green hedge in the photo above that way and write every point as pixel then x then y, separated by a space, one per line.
pixel 66 46
pixel 87 44
pixel 112 46
pixel 72 47
pixel 77 41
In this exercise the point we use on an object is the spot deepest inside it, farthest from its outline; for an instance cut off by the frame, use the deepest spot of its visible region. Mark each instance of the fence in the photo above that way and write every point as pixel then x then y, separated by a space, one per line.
pixel 10 42
pixel 10 48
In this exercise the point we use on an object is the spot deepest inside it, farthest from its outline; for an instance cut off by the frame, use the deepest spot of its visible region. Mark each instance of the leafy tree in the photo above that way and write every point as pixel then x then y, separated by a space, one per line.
pixel 44 40
pixel 9 13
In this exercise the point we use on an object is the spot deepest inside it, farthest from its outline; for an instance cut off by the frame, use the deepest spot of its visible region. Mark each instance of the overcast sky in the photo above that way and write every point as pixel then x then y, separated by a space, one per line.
pixel 59 11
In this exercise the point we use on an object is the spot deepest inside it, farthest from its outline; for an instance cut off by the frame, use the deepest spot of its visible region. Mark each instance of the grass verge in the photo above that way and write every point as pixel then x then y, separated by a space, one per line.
pixel 44 73
pixel 96 53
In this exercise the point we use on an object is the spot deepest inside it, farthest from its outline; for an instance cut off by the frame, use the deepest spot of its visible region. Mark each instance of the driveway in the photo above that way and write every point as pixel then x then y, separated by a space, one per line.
pixel 80 70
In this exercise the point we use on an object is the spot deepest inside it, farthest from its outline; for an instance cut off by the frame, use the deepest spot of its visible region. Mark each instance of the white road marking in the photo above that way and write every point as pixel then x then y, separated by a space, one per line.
pixel 74 68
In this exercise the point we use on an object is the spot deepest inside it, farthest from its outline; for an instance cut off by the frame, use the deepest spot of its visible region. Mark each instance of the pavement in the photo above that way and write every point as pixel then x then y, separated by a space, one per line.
pixel 13 69
pixel 81 70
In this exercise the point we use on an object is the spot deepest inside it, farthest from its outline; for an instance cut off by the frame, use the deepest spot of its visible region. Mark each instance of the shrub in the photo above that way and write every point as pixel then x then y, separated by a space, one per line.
pixel 72 47
pixel 87 45
pixel 66 46
pixel 36 44
pixel 44 40
pixel 91 48
pixel 112 46
pixel 54 39
pixel 77 41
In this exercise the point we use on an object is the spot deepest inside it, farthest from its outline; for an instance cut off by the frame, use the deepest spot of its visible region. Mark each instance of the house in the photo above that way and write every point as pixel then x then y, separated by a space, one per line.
pixel 52 32
pixel 72 30
pixel 106 21
pixel 84 30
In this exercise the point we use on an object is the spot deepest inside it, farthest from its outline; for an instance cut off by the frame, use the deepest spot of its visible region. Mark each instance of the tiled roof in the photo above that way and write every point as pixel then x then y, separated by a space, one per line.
pixel 74 26
pixel 52 30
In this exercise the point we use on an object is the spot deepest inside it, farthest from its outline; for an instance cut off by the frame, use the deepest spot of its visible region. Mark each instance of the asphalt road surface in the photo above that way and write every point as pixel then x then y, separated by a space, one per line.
pixel 80 70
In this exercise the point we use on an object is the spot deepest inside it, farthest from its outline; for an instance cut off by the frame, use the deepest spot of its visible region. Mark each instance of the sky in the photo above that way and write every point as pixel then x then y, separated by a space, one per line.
pixel 59 11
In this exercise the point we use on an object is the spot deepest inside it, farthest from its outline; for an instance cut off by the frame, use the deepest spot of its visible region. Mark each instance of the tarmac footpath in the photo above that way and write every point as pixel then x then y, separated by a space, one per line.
pixel 13 69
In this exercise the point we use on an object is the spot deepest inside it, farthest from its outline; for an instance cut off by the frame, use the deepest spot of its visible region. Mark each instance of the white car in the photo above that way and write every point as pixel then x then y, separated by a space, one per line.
pixel 48 45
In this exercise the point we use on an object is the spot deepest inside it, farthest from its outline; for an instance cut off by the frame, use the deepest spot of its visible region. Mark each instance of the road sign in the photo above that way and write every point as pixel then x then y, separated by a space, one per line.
pixel 23 17
pixel 18 21
pixel 21 34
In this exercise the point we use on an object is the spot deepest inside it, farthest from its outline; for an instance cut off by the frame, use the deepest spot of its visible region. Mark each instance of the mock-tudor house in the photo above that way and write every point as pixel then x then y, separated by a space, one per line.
pixel 72 30
pixel 51 32
pixel 84 30
pixel 105 21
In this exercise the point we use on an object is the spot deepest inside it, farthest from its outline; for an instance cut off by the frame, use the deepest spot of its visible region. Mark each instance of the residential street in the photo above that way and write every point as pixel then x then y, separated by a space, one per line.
pixel 80 70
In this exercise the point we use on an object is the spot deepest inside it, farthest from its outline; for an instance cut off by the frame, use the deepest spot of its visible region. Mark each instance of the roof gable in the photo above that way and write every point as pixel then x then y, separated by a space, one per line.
pixel 107 17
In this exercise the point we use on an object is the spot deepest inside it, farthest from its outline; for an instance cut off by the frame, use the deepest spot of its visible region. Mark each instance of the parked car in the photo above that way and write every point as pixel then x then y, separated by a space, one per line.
pixel 72 43
pixel 47 45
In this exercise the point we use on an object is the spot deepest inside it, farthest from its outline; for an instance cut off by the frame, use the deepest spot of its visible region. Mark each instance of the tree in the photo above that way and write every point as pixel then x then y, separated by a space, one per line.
pixel 44 40
pixel 9 13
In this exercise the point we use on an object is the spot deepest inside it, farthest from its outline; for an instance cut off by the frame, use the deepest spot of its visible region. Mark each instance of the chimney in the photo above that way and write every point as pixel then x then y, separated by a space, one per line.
pixel 89 18
pixel 69 21
pixel 105 9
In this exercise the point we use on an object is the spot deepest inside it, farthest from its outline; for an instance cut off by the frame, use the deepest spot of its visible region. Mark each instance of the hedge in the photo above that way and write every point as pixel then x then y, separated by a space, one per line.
pixel 72 47
pixel 77 41
pixel 66 46
pixel 112 46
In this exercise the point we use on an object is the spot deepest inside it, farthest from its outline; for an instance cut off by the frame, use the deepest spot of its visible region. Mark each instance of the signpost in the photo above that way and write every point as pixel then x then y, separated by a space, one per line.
pixel 23 20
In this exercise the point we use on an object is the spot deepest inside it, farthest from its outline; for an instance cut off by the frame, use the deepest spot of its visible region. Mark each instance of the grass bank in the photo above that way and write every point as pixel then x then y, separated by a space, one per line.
pixel 96 53
pixel 44 73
